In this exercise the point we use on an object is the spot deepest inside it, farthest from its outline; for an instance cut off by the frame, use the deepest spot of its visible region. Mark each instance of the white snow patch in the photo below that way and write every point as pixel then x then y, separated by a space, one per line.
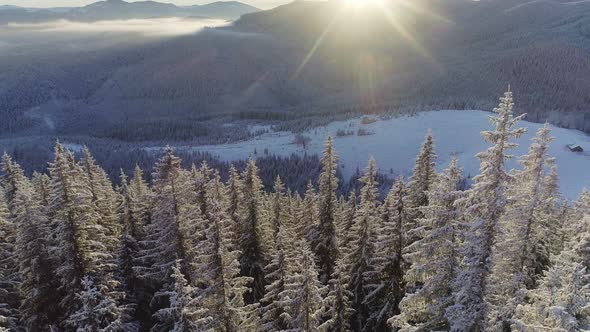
pixel 396 142
pixel 258 128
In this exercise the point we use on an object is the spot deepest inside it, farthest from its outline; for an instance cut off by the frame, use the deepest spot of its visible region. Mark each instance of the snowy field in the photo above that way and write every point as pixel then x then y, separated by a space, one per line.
pixel 395 142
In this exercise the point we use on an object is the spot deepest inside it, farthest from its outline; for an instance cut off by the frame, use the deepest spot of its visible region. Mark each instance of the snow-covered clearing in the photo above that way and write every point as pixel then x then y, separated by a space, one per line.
pixel 395 143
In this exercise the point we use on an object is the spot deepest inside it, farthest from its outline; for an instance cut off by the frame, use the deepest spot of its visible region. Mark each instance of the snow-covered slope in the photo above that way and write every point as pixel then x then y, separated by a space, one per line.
pixel 395 143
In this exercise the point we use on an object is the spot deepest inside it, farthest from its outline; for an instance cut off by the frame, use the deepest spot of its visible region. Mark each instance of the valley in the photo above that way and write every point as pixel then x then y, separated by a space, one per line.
pixel 397 141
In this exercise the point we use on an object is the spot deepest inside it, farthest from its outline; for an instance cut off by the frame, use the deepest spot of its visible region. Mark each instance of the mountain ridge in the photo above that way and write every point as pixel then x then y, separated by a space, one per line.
pixel 120 9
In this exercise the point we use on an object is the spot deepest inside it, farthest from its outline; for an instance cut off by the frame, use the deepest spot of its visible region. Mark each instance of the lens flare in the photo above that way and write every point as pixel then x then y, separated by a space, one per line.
pixel 361 3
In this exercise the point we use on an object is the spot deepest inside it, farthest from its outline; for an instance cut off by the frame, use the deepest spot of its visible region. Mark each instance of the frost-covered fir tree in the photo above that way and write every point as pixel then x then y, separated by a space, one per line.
pixel 81 245
pixel 561 302
pixel 99 312
pixel 135 214
pixel 277 272
pixel 9 276
pixel 37 287
pixel 582 204
pixel 520 251
pixel 182 312
pixel 103 197
pixel 278 207
pixel 10 178
pixel 308 216
pixel 360 258
pixel 235 199
pixel 304 293
pixel 129 239
pixel 326 246
pixel 386 284
pixel 434 260
pixel 173 223
pixel 200 178
pixel 346 221
pixel 483 207
pixel 252 232
pixel 42 190
pixel 172 231
pixel 337 302
pixel 557 209
pixel 221 296
pixel 140 211
pixel 419 184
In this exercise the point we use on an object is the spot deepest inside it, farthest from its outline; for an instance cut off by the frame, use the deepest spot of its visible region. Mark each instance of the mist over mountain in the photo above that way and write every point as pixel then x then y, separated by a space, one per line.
pixel 122 10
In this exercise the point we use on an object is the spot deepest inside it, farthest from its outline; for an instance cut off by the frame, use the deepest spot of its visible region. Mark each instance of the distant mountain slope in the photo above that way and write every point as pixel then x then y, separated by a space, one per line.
pixel 306 59
pixel 222 9
pixel 454 53
pixel 119 9
pixel 434 54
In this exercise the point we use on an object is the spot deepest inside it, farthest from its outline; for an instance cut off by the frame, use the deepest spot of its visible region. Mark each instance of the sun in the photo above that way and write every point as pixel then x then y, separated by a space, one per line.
pixel 361 3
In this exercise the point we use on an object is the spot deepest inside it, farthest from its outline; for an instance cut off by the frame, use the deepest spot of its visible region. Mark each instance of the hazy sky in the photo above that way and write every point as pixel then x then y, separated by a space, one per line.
pixel 75 3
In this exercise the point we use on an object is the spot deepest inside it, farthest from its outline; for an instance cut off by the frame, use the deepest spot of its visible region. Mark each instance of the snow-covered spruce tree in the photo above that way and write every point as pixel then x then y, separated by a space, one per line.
pixel 221 297
pixel 483 206
pixel 200 178
pixel 80 240
pixel 555 210
pixel 37 287
pixel 386 284
pixel 99 312
pixel 337 302
pixel 304 293
pixel 295 203
pixel 9 276
pixel 182 313
pixel 278 207
pixel 360 258
pixel 42 190
pixel 561 302
pixel 135 214
pixel 346 222
pixel 418 186
pixel 308 216
pixel 434 260
pixel 582 204
pixel 132 233
pixel 140 215
pixel 277 272
pixel 235 199
pixel 171 233
pixel 326 246
pixel 520 251
pixel 103 197
pixel 252 233
pixel 10 178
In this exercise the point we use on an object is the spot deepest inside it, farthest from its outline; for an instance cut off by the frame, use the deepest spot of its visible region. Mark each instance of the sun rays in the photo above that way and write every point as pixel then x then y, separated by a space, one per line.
pixel 359 15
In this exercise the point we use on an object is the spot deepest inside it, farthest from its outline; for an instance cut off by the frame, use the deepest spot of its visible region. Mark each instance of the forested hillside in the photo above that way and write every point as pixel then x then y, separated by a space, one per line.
pixel 432 54
pixel 190 252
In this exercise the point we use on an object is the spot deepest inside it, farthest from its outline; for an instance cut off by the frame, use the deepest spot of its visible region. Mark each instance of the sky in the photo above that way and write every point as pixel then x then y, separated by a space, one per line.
pixel 264 4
